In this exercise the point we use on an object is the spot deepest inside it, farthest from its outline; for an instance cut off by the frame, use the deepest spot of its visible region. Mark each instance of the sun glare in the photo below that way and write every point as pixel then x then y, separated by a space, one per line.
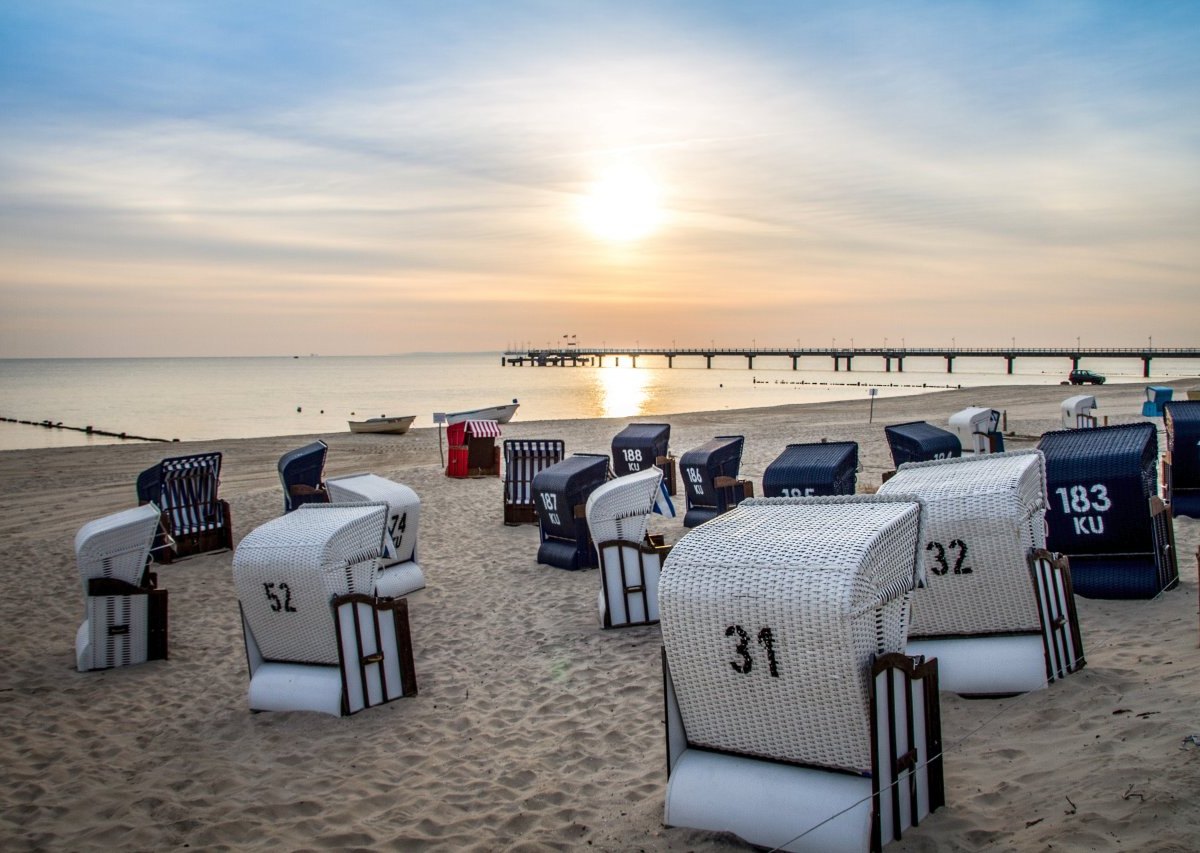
pixel 622 206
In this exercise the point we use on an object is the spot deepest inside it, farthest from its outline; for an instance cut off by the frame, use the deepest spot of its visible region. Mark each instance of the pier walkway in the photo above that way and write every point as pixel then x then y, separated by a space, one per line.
pixel 577 355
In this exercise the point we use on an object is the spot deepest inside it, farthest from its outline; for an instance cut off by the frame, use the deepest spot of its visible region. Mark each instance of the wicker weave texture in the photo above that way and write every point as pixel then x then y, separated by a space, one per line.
pixel 984 514
pixel 771 615
pixel 287 571
pixel 105 647
pixel 620 508
pixel 404 510
pixel 116 546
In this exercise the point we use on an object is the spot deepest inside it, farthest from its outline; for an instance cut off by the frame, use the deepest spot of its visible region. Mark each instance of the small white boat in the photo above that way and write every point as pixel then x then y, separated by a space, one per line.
pixel 499 414
pixel 391 426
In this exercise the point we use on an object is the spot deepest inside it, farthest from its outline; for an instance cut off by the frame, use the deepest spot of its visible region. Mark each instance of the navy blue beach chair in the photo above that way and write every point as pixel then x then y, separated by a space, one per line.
pixel 808 470
pixel 523 458
pixel 710 479
pixel 639 446
pixel 1181 467
pixel 1104 511
pixel 918 441
pixel 560 495
pixel 302 472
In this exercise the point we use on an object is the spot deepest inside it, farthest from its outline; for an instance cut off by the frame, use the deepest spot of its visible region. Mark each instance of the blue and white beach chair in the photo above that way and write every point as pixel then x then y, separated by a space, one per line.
pixel 194 519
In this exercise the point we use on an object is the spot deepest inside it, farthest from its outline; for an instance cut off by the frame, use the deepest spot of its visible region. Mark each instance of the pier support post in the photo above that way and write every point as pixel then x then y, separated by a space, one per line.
pixel 837 364
pixel 670 361
pixel 900 364
pixel 949 364
pixel 849 366
pixel 635 361
pixel 708 358
pixel 1074 362
pixel 795 361
pixel 1146 367
pixel 1010 359
pixel 750 362
pixel 887 364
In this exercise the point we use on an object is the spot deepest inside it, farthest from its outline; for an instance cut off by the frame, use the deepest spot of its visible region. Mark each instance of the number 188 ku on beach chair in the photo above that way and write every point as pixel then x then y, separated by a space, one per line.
pixel 630 561
pixel 794 718
pixel 639 446
pixel 523 458
pixel 125 615
pixel 317 636
pixel 194 519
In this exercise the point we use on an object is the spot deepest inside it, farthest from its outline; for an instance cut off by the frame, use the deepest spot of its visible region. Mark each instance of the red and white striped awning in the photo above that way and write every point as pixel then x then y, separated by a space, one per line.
pixel 482 429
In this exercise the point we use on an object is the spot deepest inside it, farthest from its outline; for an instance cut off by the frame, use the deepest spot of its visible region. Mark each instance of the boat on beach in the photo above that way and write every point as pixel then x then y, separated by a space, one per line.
pixel 384 425
pixel 500 414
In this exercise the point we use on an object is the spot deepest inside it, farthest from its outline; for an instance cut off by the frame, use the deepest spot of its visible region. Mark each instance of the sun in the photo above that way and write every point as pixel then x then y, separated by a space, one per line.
pixel 623 205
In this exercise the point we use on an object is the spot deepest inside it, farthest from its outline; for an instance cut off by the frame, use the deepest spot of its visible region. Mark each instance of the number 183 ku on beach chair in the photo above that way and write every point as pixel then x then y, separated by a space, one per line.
pixel 125 615
pixel 317 636
pixel 794 718
pixel 1104 511
pixel 523 458
pixel 194 519
pixel 630 561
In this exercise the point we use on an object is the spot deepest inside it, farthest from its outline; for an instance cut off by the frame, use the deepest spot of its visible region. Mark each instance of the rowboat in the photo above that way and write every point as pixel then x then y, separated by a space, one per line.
pixel 499 414
pixel 391 426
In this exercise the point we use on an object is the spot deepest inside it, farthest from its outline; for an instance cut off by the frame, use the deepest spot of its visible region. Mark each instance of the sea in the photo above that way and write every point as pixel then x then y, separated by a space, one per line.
pixel 202 399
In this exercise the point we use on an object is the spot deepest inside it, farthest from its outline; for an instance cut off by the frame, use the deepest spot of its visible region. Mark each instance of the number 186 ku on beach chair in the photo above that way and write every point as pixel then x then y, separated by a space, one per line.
pixel 794 718
pixel 194 519
pixel 523 458
pixel 317 636
pixel 710 479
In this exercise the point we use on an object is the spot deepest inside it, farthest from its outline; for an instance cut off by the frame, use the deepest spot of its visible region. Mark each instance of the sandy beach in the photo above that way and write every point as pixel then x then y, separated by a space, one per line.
pixel 533 729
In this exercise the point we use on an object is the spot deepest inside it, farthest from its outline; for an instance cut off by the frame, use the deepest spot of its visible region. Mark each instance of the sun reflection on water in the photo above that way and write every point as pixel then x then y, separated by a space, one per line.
pixel 623 391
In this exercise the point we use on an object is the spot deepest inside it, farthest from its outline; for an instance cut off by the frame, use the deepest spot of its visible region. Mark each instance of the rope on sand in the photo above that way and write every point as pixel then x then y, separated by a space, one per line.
pixel 89 430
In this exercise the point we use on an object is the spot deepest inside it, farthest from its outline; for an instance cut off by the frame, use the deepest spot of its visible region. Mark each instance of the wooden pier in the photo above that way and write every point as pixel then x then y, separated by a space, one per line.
pixel 577 356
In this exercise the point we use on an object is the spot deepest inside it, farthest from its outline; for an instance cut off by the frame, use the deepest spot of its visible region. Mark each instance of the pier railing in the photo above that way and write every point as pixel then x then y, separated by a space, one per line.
pixel 575 355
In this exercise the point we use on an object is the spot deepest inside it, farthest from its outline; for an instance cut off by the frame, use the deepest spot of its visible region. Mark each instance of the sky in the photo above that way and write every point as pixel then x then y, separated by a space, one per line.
pixel 268 178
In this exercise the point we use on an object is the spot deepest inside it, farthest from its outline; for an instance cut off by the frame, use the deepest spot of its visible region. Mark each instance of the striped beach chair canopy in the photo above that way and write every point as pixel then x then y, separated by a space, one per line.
pixel 523 459
pixel 185 489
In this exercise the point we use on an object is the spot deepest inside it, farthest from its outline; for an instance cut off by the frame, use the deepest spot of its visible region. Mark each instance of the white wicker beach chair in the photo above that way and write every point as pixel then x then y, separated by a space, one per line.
pixel 993 594
pixel 399 571
pixel 617 515
pixel 125 616
pixel 793 717
pixel 978 429
pixel 1077 412
pixel 317 637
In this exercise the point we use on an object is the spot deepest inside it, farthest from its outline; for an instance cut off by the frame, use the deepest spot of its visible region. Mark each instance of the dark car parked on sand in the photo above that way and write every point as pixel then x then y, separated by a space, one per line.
pixel 1084 377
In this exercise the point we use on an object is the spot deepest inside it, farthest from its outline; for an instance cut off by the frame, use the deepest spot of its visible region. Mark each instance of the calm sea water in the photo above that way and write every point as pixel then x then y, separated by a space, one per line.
pixel 210 398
